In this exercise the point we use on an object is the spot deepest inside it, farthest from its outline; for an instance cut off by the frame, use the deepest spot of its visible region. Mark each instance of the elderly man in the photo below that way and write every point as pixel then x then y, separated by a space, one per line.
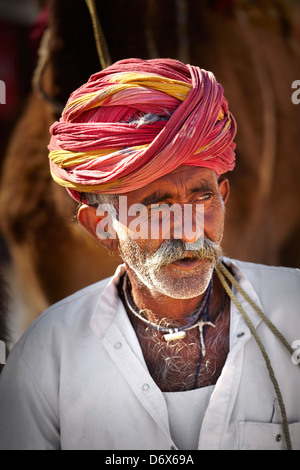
pixel 182 348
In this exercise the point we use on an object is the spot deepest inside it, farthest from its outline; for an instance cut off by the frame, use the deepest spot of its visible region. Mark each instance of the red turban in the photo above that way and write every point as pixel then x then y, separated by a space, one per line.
pixel 98 147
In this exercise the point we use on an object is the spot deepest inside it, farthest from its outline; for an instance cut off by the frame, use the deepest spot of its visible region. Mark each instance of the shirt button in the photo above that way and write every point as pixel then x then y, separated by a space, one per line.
pixel 146 387
pixel 173 448
pixel 278 437
pixel 240 334
pixel 118 345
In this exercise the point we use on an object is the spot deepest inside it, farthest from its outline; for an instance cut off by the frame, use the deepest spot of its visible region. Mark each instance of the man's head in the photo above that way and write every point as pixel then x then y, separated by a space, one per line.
pixel 155 132
pixel 174 266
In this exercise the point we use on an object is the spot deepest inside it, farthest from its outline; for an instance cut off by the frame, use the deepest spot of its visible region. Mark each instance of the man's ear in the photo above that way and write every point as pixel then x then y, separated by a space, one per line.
pixel 96 226
pixel 224 188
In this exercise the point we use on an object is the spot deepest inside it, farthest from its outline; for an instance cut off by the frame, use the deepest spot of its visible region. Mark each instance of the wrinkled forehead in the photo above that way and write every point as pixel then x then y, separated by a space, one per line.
pixel 179 183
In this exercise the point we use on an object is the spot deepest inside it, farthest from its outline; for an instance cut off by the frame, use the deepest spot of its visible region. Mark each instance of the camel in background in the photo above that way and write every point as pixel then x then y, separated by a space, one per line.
pixel 253 49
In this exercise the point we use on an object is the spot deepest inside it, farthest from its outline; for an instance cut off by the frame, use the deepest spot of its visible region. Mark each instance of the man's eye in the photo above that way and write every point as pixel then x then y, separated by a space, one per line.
pixel 204 197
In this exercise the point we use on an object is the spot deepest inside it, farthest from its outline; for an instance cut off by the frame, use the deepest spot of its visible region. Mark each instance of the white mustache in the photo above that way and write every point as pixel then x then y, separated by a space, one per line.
pixel 173 250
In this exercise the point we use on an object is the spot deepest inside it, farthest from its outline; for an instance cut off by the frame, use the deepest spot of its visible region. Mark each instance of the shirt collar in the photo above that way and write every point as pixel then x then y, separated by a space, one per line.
pixel 107 304
pixel 241 274
pixel 109 301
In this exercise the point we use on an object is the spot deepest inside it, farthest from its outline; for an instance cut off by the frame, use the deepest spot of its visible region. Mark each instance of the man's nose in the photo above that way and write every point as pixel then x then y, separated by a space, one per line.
pixel 188 223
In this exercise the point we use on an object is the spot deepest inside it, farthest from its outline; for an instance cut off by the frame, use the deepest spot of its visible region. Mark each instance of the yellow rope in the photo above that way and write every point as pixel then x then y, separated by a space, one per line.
pixel 222 271
pixel 101 44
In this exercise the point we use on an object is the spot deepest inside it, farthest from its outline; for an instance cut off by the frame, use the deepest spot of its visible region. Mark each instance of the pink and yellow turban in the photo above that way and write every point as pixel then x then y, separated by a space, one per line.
pixel 97 147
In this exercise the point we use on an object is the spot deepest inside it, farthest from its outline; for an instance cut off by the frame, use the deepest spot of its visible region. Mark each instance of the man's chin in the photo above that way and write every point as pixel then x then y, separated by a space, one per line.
pixel 185 279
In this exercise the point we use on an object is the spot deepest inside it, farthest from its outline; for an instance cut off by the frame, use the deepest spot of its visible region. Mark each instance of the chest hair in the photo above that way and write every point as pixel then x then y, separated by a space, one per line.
pixel 173 365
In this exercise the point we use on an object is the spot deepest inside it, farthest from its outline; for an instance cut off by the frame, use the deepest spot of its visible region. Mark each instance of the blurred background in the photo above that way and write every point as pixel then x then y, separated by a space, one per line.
pixel 48 48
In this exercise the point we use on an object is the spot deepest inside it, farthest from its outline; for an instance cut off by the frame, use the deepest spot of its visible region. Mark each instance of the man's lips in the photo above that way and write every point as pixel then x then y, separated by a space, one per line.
pixel 187 263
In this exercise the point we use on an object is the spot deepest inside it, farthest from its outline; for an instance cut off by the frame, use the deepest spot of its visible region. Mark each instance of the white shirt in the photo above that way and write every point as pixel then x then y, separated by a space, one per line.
pixel 77 378
pixel 186 411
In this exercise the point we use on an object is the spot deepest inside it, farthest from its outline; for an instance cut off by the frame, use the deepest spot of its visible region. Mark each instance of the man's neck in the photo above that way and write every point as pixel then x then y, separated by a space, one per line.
pixel 173 365
pixel 162 307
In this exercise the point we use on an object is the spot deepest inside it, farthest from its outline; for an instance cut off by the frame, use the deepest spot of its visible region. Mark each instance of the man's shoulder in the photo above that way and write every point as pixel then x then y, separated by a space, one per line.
pixel 277 287
pixel 69 314
pixel 84 294
pixel 262 273
pixel 263 267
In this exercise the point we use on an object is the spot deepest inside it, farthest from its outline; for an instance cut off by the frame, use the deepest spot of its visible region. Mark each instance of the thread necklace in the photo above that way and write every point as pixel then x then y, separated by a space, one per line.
pixel 200 318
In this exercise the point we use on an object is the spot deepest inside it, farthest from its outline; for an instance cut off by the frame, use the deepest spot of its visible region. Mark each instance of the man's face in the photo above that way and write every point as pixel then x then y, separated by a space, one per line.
pixel 169 266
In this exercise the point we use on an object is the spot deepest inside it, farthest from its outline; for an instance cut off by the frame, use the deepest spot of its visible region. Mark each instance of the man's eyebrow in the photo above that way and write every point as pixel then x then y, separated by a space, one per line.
pixel 158 196
pixel 202 187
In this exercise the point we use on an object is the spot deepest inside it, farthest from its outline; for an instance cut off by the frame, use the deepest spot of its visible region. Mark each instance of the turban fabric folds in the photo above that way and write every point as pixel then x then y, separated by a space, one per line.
pixel 97 145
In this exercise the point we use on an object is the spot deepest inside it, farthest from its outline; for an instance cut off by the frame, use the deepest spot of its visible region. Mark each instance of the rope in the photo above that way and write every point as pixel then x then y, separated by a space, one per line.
pixel 256 308
pixel 222 272
pixel 101 44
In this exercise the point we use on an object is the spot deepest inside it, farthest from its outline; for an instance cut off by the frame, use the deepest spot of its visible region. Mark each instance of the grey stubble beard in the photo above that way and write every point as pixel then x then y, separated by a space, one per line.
pixel 157 273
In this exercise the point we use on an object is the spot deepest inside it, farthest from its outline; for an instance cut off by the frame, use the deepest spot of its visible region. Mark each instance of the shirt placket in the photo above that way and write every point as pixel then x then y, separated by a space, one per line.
pixel 139 380
pixel 215 433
